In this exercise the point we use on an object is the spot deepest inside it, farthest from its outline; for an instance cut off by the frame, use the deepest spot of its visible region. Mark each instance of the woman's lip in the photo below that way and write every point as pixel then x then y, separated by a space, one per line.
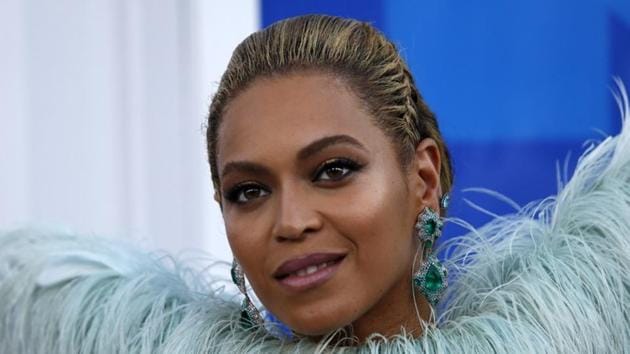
pixel 296 264
pixel 297 283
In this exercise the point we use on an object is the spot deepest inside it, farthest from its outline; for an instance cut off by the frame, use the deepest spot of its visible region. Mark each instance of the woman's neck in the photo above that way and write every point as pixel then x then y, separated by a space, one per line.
pixel 394 313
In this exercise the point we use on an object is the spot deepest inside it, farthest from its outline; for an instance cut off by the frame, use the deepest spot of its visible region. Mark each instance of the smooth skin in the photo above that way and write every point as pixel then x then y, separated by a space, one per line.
pixel 304 169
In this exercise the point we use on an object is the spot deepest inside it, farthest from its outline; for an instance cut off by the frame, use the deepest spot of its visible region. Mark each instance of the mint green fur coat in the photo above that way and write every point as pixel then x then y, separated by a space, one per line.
pixel 553 278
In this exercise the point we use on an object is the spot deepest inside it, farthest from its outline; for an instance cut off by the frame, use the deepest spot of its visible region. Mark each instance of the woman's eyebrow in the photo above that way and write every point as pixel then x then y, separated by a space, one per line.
pixel 325 142
pixel 303 154
pixel 243 166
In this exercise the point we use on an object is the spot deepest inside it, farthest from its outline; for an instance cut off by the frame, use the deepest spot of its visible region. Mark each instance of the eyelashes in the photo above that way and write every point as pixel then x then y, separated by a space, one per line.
pixel 335 170
pixel 330 173
pixel 245 192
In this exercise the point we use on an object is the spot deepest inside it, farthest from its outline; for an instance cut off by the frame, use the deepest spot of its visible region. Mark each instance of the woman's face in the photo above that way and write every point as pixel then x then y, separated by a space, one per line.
pixel 317 208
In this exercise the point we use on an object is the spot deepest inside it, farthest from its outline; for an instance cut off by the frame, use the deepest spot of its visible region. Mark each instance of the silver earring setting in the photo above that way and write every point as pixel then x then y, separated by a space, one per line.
pixel 250 316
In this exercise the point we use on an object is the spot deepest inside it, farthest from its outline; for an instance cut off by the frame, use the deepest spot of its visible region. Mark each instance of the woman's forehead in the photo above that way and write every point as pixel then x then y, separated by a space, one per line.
pixel 282 115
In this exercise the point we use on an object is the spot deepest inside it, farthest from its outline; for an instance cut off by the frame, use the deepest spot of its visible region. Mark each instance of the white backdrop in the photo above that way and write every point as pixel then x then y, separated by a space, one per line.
pixel 102 105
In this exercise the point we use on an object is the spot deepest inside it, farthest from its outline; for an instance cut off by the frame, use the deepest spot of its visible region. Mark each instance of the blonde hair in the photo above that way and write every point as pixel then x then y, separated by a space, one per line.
pixel 354 50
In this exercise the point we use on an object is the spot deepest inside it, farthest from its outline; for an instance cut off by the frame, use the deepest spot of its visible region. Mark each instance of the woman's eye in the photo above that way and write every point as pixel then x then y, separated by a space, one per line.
pixel 336 170
pixel 246 193
pixel 333 173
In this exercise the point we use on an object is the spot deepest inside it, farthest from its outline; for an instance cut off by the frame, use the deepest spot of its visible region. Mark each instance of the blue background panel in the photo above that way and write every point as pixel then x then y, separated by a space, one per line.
pixel 522 171
pixel 510 71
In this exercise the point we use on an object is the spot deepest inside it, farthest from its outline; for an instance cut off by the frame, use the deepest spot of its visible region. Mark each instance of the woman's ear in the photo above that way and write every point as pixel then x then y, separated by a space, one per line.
pixel 425 174
pixel 217 198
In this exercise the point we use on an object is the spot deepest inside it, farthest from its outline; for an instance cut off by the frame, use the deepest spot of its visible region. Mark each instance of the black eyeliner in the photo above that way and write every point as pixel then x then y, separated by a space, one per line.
pixel 233 192
pixel 352 165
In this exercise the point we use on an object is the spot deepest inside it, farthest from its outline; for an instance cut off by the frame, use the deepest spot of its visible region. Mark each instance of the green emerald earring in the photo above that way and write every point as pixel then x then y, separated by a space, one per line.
pixel 250 316
pixel 431 279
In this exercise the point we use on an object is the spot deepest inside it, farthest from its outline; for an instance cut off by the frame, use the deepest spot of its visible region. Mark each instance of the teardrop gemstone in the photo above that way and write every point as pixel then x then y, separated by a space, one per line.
pixel 433 280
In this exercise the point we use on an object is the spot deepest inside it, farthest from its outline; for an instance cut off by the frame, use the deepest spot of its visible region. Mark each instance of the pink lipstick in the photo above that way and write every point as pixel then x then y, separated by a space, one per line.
pixel 307 272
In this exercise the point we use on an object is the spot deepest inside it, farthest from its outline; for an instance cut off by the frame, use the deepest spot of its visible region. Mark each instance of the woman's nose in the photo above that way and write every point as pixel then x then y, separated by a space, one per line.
pixel 295 218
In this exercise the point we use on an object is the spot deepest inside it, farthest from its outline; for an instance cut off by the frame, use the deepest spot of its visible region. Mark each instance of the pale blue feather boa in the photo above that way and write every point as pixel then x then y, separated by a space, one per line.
pixel 553 278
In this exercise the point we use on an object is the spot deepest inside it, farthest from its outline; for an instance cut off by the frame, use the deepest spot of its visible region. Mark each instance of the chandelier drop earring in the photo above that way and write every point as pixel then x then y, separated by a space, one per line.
pixel 431 278
pixel 250 316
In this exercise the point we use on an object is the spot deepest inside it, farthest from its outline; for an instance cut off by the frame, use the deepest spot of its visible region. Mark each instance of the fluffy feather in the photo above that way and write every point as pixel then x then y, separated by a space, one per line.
pixel 552 278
